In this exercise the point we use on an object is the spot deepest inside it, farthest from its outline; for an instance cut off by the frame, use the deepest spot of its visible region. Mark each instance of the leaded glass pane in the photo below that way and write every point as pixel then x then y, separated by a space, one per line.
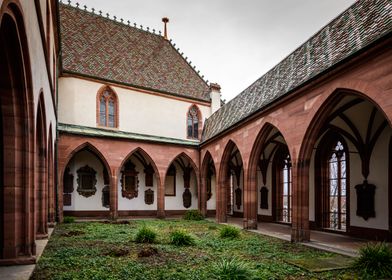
pixel 195 129
pixel 102 111
pixel 111 108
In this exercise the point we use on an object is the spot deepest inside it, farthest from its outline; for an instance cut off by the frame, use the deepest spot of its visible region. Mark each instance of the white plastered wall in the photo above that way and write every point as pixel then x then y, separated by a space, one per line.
pixel 176 202
pixel 79 202
pixel 137 203
pixel 138 112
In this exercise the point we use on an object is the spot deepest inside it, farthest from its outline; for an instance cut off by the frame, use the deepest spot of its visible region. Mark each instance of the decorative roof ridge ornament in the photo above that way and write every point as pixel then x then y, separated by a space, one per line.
pixel 120 21
pixel 165 21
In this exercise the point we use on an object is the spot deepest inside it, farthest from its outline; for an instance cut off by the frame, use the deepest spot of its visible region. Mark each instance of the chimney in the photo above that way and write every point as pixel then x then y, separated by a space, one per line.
pixel 165 21
pixel 215 97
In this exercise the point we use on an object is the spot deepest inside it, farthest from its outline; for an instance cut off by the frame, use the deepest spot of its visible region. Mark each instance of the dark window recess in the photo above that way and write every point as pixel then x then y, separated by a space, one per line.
pixel 365 200
pixel 67 198
pixel 208 185
pixel 86 181
pixel 129 181
pixel 264 198
pixel 149 171
pixel 106 197
pixel 67 187
pixel 187 176
pixel 170 184
pixel 68 182
pixel 187 198
pixel 238 198
pixel 149 197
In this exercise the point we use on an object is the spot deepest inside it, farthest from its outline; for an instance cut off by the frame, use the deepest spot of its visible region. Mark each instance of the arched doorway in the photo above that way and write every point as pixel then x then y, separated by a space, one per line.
pixel 138 185
pixel 17 134
pixel 181 185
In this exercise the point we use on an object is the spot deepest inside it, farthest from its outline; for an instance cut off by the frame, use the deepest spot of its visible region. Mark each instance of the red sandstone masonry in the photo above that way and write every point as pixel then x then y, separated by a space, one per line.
pixel 114 152
pixel 368 76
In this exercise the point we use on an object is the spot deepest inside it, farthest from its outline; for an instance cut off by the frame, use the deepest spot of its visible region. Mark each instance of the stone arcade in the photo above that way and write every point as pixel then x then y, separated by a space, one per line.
pixel 119 124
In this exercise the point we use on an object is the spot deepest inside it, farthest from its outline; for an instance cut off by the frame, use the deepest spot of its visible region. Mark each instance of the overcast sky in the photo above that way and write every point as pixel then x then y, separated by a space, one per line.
pixel 231 42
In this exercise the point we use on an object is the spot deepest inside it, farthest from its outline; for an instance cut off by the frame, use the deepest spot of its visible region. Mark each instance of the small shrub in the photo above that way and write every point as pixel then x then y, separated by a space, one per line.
pixel 229 232
pixel 181 238
pixel 193 215
pixel 232 269
pixel 145 235
pixel 68 220
pixel 374 261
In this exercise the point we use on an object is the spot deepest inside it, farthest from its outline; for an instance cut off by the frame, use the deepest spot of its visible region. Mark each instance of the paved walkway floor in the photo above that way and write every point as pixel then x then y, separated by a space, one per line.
pixel 23 272
pixel 331 242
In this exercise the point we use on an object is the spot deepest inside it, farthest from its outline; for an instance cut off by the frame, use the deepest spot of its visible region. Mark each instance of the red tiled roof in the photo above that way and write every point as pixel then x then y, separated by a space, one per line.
pixel 105 49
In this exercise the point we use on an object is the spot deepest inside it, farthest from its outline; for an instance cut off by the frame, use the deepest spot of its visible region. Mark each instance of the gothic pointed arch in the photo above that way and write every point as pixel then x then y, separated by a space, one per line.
pixel 230 183
pixel 208 183
pixel 182 180
pixel 41 187
pixel 86 176
pixel 360 131
pixel 107 108
pixel 138 177
pixel 17 131
pixel 149 164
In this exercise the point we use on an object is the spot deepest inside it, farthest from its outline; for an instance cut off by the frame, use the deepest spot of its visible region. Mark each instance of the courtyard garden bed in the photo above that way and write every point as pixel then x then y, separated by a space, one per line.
pixel 104 250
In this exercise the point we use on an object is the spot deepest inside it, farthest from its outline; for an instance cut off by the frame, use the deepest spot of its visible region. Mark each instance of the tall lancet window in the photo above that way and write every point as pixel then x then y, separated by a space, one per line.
pixel 107 114
pixel 193 122
pixel 336 218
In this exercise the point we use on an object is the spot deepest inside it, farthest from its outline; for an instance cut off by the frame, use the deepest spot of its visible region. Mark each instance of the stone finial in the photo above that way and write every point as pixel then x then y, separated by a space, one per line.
pixel 165 21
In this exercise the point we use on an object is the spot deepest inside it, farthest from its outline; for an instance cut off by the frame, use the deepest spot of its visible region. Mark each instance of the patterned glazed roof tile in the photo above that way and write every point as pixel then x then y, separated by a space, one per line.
pixel 357 27
pixel 98 47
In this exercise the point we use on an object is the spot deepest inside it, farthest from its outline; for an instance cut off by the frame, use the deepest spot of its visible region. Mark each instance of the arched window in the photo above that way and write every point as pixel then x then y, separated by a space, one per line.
pixel 193 122
pixel 336 183
pixel 107 108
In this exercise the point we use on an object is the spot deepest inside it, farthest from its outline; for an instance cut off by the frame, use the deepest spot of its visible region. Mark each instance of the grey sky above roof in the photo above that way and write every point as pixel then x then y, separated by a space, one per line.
pixel 231 42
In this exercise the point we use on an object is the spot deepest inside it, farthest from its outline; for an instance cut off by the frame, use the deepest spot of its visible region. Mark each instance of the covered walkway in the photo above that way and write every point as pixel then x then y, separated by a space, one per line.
pixel 331 242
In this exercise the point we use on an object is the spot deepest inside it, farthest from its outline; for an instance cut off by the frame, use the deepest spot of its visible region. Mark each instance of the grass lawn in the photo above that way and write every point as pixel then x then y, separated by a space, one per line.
pixel 99 250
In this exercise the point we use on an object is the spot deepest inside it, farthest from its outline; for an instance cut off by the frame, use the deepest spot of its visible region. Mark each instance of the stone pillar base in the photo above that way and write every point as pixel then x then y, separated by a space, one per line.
pixel 300 235
pixel 161 214
pixel 18 261
pixel 249 224
pixel 41 236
